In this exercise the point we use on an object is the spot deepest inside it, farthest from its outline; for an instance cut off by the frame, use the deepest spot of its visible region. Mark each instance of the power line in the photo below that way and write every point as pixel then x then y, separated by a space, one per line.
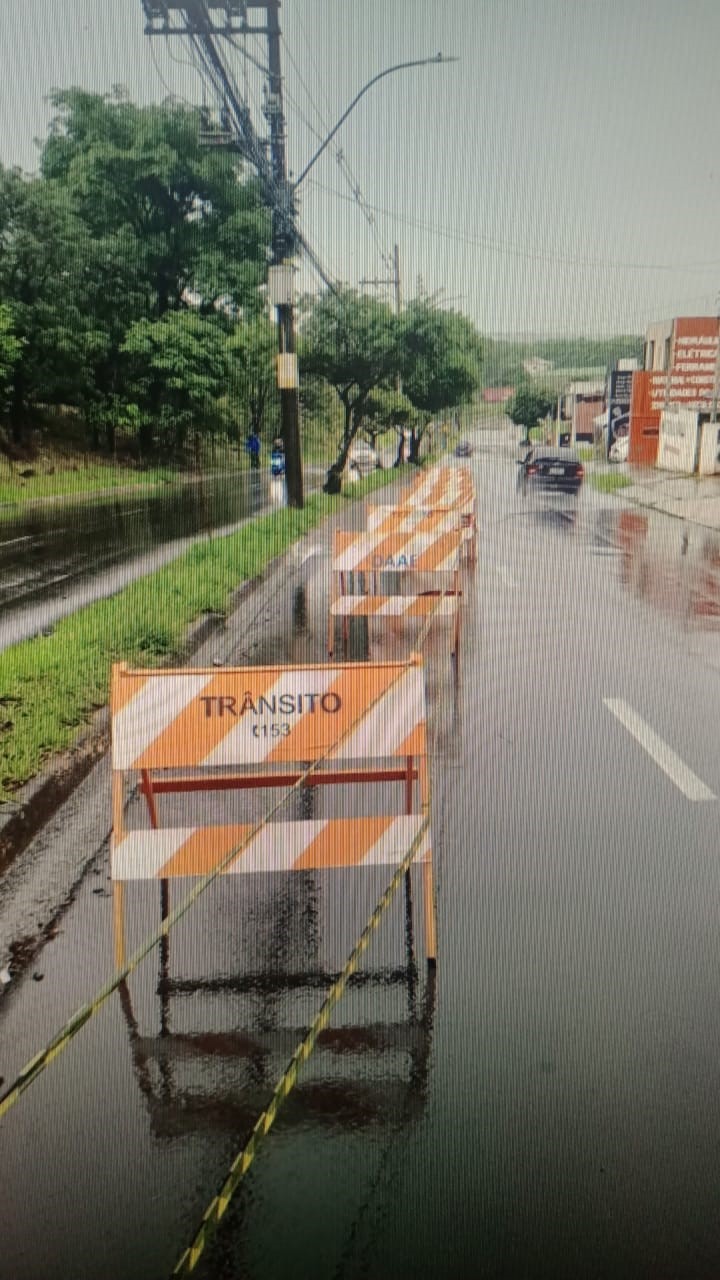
pixel 499 246
pixel 170 92
pixel 342 161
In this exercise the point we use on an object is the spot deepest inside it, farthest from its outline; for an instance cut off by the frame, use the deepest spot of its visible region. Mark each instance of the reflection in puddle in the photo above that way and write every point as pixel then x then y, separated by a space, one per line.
pixel 671 567
pixel 210 1054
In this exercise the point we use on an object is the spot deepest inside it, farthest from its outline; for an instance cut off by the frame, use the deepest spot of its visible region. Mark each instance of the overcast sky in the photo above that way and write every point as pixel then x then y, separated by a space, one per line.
pixel 562 177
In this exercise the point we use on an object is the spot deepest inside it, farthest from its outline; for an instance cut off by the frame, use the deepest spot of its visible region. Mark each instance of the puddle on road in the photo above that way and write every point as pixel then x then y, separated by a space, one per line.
pixel 671 566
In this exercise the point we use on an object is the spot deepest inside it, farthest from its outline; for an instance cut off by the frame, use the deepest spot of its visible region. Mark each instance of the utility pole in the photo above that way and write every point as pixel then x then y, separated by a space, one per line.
pixel 394 280
pixel 283 245
pixel 206 22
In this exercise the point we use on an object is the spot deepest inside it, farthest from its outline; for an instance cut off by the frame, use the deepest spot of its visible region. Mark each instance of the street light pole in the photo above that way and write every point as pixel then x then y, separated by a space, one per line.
pixel 400 66
pixel 285 238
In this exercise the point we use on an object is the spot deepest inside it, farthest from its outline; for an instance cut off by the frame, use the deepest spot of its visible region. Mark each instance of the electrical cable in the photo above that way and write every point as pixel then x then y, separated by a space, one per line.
pixel 500 246
pixel 342 161
pixel 170 92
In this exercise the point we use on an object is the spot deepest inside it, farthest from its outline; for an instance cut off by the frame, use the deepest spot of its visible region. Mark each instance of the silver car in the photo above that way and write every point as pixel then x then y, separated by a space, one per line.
pixel 362 457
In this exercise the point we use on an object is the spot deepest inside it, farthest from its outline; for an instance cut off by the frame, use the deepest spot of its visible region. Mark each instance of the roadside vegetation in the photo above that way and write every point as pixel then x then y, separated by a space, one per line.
pixel 75 479
pixel 609 481
pixel 134 323
pixel 50 686
pixel 507 360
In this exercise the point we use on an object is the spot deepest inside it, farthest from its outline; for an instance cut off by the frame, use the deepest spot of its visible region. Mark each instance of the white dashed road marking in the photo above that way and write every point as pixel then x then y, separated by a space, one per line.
pixel 663 755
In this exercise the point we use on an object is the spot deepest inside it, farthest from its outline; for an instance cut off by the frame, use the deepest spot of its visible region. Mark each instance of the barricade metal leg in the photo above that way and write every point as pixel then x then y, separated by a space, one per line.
pixel 430 909
pixel 149 797
pixel 118 792
pixel 119 922
pixel 430 912
pixel 345 621
pixel 409 771
pixel 331 618
pixel 456 629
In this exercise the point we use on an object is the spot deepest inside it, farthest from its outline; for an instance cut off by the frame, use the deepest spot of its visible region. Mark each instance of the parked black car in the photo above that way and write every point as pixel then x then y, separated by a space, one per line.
pixel 547 469
pixel 463 449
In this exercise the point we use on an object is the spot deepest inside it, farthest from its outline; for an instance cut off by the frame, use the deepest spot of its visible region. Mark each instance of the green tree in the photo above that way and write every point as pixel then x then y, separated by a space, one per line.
pixel 178 370
pixel 350 340
pixel 46 276
pixel 529 407
pixel 194 226
pixel 130 220
pixel 10 350
pixel 252 350
pixel 388 409
pixel 441 362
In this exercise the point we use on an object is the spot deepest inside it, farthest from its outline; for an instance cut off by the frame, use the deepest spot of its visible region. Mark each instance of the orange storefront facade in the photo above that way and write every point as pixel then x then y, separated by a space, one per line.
pixel 684 373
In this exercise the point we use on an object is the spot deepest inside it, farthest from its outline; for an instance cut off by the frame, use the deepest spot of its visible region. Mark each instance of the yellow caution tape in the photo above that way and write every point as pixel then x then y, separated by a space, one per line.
pixel 243 1160
pixel 34 1068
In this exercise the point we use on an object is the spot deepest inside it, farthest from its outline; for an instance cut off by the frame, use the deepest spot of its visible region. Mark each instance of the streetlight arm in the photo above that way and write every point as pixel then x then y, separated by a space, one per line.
pixel 401 66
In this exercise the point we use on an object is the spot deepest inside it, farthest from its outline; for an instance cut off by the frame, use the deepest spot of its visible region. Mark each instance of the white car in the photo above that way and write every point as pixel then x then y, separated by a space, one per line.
pixel 619 449
pixel 363 457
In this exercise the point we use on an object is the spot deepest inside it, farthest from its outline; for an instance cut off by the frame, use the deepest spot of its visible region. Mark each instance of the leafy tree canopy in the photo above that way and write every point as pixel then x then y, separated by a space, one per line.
pixel 252 350
pixel 350 340
pixel 529 407
pixel 441 357
pixel 178 371
pixel 10 347
pixel 143 172
pixel 130 221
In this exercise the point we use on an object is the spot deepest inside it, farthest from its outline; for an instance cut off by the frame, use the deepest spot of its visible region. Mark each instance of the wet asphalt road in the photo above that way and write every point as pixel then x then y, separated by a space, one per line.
pixel 546 1106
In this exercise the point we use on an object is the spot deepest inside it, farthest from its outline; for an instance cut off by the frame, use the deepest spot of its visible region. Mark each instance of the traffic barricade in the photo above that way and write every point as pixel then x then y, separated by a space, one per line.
pixel 439 519
pixel 442 486
pixel 245 729
pixel 448 489
pixel 363 559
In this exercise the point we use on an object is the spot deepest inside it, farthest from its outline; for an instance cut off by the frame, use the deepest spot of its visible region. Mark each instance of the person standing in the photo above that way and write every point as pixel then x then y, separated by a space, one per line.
pixel 278 495
pixel 252 445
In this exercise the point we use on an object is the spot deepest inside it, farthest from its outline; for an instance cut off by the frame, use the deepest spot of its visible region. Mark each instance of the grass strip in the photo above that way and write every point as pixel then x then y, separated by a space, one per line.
pixel 609 481
pixel 80 480
pixel 49 686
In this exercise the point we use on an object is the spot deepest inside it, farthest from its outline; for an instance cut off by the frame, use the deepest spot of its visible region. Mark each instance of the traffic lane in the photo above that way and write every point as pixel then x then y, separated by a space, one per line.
pixel 573 1057
pixel 578 945
pixel 502 1168
pixel 649 643
pixel 45 576
pixel 651 630
pixel 100 1148
pixel 110 1080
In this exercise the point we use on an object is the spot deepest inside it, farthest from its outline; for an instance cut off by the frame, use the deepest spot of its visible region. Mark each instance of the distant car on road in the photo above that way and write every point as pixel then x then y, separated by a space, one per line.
pixel 363 457
pixel 548 469
pixel 619 449
pixel 463 449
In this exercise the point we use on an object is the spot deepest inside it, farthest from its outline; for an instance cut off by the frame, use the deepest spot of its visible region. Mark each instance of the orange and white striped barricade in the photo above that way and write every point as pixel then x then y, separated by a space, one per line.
pixel 412 519
pixel 375 554
pixel 448 489
pixel 260 727
pixel 442 486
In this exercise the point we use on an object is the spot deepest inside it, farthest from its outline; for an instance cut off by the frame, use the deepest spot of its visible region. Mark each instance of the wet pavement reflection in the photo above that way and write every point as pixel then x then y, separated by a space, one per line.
pixel 671 566
pixel 54 550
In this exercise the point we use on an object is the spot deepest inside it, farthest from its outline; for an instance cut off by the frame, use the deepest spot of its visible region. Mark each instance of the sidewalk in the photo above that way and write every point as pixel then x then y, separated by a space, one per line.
pixel 692 498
